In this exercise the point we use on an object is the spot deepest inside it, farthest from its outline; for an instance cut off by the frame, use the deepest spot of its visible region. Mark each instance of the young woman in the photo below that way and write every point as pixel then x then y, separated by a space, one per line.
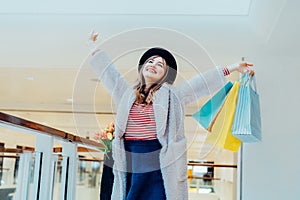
pixel 149 148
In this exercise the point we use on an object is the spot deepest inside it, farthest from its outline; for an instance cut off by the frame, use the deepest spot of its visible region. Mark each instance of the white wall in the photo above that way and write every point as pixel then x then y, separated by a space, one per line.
pixel 271 168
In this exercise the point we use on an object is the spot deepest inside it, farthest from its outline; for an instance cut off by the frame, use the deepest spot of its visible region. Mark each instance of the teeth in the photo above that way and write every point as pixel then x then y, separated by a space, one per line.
pixel 151 70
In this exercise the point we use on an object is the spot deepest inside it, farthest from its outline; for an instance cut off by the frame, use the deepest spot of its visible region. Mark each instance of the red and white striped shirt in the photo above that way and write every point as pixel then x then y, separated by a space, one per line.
pixel 141 123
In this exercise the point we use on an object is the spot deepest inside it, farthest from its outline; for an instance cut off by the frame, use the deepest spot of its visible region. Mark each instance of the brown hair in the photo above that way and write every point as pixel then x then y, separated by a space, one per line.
pixel 146 97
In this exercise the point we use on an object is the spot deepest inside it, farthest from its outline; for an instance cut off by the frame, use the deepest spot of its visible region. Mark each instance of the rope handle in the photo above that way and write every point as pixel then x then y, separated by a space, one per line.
pixel 248 79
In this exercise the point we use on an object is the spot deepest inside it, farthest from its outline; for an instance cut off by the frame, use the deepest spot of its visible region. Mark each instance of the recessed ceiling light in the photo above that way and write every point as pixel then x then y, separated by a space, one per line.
pixel 30 78
pixel 70 100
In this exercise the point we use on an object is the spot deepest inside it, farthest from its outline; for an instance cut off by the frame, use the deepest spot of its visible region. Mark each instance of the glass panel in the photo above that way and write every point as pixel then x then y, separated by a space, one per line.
pixel 11 174
pixel 88 179
pixel 57 181
pixel 212 183
pixel 7 182
pixel 56 177
pixel 33 174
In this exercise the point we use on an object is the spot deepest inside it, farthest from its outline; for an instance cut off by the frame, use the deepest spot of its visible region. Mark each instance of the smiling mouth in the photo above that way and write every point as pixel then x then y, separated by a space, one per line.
pixel 151 70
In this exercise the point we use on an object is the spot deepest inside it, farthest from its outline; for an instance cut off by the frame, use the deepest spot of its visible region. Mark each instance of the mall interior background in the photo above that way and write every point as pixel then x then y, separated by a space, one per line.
pixel 43 47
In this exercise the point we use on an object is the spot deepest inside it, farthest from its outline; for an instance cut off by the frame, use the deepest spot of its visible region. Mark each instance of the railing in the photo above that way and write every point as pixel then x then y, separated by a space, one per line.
pixel 40 168
pixel 88 177
pixel 46 172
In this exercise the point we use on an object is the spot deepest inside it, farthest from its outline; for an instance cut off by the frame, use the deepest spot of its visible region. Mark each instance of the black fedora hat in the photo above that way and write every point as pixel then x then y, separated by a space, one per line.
pixel 169 58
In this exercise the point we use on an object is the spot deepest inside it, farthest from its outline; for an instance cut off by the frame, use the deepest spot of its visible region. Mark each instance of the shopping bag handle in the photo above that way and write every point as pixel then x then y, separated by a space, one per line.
pixel 250 80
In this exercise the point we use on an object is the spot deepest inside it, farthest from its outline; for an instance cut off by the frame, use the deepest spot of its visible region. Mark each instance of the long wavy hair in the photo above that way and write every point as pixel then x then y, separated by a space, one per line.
pixel 147 97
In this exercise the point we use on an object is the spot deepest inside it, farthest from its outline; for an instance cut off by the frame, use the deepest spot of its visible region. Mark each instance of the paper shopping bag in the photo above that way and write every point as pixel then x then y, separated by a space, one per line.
pixel 247 120
pixel 207 113
pixel 221 134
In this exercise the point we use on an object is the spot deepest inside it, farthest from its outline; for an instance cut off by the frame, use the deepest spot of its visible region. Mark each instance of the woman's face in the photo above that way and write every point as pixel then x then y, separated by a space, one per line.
pixel 154 69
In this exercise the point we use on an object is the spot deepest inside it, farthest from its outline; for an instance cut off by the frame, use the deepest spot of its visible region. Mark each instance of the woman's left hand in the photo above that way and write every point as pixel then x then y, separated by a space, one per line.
pixel 242 67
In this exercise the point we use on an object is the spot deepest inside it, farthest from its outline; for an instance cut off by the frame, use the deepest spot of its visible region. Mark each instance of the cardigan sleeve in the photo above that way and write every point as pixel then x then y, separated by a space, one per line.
pixel 108 74
pixel 201 85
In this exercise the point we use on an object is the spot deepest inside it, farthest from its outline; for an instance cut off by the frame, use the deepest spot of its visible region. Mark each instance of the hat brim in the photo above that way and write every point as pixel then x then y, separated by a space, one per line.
pixel 167 56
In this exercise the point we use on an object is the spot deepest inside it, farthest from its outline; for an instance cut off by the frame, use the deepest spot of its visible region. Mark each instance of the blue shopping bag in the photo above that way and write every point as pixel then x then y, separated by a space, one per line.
pixel 207 113
pixel 247 119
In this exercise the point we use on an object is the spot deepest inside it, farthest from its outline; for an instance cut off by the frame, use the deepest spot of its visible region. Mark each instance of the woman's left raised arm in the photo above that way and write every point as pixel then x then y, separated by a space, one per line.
pixel 207 83
pixel 201 85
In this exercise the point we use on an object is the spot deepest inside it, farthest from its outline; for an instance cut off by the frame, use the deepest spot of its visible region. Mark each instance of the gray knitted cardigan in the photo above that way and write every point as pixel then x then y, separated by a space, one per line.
pixel 168 105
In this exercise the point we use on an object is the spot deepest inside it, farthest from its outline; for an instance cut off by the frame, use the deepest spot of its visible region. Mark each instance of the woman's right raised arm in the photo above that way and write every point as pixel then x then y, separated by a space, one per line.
pixel 108 74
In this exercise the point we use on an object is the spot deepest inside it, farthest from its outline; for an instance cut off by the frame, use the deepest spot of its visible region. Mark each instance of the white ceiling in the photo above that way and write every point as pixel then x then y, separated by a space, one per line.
pixel 134 7
pixel 44 48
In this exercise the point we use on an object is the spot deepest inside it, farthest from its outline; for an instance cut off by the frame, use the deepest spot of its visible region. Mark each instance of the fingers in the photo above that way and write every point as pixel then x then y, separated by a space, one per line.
pixel 94 36
pixel 247 64
pixel 251 73
pixel 246 67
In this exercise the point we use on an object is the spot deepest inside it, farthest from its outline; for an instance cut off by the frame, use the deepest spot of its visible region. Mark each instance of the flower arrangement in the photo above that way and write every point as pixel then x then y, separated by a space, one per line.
pixel 106 137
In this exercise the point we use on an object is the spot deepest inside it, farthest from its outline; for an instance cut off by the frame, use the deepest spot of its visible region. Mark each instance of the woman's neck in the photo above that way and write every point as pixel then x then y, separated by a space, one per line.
pixel 148 84
pixel 147 87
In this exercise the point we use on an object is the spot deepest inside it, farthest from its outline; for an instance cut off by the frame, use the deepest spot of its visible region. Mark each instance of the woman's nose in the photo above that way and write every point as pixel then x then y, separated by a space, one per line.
pixel 154 64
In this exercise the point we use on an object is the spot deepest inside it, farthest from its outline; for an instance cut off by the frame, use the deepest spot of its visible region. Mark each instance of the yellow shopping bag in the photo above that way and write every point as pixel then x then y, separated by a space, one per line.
pixel 221 130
